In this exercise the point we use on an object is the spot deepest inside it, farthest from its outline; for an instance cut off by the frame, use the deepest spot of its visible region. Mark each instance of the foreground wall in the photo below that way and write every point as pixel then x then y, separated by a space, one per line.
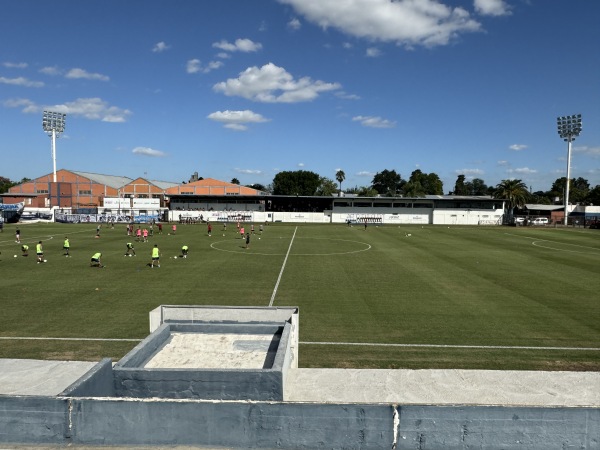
pixel 104 421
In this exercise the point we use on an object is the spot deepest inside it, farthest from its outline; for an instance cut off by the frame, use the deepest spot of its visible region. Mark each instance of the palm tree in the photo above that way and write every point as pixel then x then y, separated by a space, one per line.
pixel 340 176
pixel 513 191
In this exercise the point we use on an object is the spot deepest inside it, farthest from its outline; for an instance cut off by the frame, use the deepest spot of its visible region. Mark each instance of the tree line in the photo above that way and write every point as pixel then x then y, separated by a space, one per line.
pixel 389 183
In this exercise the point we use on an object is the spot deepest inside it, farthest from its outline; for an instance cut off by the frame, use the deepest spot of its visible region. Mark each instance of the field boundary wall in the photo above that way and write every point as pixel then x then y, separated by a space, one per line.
pixel 243 424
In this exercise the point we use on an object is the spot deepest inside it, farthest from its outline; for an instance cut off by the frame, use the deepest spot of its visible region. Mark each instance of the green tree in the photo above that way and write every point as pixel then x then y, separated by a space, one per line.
pixel 387 182
pixel 594 196
pixel 327 187
pixel 362 191
pixel 514 192
pixel 235 181
pixel 340 176
pixel 579 189
pixel 413 189
pixel 5 184
pixel 299 182
pixel 430 183
pixel 459 186
pixel 257 186
pixel 476 187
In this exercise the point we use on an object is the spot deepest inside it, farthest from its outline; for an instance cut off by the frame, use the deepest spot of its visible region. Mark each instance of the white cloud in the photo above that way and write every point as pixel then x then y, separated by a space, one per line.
pixel 502 162
pixel 300 164
pixel 518 147
pixel 21 81
pixel 294 24
pixel 237 120
pixel 522 170
pixel 469 172
pixel 240 45
pixel 373 52
pixel 273 84
pixel 223 55
pixel 195 66
pixel 492 7
pixel 89 108
pixel 12 65
pixel 249 171
pixel 50 70
pixel 374 122
pixel 589 151
pixel 27 105
pixel 346 96
pixel 160 47
pixel 80 73
pixel 406 22
pixel 365 173
pixel 147 151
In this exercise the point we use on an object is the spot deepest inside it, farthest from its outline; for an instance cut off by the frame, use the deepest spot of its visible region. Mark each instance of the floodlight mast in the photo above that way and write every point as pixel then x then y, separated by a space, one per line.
pixel 569 128
pixel 53 124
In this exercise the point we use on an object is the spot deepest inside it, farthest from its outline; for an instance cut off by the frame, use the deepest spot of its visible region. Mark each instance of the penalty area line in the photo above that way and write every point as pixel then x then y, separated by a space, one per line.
pixel 20 338
pixel 484 347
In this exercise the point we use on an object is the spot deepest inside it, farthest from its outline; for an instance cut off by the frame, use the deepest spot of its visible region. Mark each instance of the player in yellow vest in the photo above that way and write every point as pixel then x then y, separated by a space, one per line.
pixel 96 262
pixel 66 246
pixel 155 256
pixel 39 250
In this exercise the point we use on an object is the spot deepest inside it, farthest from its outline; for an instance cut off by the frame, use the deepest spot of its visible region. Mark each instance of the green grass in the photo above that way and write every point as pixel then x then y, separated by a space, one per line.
pixel 457 286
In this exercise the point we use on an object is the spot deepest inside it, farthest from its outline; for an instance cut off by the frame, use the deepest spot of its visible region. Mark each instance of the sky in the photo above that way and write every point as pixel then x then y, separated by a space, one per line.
pixel 245 89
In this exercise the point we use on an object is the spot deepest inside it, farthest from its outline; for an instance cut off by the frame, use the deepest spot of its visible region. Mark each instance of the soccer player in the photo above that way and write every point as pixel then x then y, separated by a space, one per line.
pixel 66 246
pixel 25 249
pixel 130 249
pixel 145 233
pixel 18 236
pixel 247 241
pixel 155 256
pixel 96 262
pixel 209 226
pixel 98 230
pixel 39 250
pixel 174 228
pixel 138 234
pixel 242 232
pixel 184 251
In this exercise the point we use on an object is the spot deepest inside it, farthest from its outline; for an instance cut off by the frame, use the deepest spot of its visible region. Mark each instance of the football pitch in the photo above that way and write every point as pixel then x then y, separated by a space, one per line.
pixel 385 297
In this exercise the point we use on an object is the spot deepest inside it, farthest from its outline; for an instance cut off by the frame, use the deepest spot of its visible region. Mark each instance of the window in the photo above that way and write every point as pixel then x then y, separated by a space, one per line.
pixel 41 191
pixel 84 192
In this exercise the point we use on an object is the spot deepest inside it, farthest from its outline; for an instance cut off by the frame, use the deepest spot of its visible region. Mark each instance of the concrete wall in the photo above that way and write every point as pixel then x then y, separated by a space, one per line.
pixel 243 424
pixel 33 420
pixel 131 379
pixel 97 382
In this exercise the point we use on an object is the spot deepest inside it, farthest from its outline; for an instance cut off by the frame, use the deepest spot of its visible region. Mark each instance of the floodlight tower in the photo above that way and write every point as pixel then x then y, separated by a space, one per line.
pixel 569 128
pixel 54 124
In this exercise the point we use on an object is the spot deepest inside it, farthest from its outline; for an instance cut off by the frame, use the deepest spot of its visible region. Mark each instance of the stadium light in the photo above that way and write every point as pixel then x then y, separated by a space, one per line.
pixel 569 128
pixel 53 124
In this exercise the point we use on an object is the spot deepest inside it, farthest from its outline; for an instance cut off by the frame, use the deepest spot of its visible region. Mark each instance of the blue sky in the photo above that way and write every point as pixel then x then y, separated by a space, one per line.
pixel 249 88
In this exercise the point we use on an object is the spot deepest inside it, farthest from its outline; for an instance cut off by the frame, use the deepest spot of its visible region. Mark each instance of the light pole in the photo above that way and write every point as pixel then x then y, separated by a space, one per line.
pixel 53 124
pixel 569 128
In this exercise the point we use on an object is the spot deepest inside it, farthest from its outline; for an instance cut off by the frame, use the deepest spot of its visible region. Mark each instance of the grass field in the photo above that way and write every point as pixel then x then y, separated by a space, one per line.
pixel 443 297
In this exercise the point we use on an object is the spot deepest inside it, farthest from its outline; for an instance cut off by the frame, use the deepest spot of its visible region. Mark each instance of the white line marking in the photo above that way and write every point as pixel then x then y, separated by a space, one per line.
pixel 357 344
pixel 282 268
pixel 18 338
pixel 500 347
